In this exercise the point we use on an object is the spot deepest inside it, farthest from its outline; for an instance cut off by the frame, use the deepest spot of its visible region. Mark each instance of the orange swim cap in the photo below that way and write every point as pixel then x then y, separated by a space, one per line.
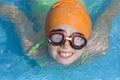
pixel 69 12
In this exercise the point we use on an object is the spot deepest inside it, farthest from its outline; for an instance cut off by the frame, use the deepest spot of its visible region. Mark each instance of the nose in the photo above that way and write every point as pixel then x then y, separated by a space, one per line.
pixel 66 44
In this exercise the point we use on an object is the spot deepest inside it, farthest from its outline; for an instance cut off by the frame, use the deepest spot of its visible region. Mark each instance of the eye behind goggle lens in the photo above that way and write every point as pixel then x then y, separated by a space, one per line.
pixel 79 42
pixel 56 39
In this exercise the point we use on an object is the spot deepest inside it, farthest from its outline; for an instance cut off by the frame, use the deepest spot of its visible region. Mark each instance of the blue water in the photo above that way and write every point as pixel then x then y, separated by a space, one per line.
pixel 14 65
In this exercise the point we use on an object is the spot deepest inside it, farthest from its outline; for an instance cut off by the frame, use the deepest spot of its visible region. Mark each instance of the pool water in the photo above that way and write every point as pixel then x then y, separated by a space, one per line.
pixel 14 65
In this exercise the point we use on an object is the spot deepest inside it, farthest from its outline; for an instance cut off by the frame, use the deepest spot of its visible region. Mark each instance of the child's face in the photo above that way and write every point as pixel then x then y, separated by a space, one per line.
pixel 65 54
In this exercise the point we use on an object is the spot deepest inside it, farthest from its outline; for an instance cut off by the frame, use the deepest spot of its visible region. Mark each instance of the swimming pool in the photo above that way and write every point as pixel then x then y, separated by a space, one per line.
pixel 14 65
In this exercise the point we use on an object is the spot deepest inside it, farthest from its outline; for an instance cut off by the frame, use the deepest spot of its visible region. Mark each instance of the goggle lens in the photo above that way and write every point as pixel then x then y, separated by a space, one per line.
pixel 78 41
pixel 57 38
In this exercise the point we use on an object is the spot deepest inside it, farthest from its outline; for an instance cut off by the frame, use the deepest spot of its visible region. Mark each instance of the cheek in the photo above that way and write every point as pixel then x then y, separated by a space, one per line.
pixel 78 53
pixel 52 49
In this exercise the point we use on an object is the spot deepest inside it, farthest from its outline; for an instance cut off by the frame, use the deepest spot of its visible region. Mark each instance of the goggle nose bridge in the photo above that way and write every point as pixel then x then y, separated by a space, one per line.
pixel 67 38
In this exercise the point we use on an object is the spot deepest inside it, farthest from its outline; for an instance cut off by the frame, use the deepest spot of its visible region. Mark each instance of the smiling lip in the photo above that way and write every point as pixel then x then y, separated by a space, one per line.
pixel 65 54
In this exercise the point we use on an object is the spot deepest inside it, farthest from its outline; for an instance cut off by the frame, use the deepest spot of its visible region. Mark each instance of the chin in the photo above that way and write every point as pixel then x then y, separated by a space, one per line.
pixel 65 63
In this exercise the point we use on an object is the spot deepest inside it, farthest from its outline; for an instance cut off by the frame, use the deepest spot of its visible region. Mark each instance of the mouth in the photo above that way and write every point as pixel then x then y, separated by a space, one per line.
pixel 65 54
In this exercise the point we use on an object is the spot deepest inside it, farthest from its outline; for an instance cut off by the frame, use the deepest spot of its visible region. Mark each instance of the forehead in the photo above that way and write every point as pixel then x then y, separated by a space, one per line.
pixel 67 28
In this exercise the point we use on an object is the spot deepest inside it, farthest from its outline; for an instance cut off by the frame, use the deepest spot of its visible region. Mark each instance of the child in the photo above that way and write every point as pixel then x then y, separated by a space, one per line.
pixel 68 28
pixel 68 31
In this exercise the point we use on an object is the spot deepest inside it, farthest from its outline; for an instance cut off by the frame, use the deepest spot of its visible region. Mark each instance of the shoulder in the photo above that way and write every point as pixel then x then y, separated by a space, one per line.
pixel 97 44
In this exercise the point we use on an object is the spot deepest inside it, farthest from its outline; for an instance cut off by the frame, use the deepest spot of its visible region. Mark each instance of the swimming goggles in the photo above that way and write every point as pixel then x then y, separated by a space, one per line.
pixel 58 37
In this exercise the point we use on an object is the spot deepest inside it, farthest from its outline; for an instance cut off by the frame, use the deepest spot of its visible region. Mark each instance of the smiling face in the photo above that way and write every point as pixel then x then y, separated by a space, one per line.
pixel 65 54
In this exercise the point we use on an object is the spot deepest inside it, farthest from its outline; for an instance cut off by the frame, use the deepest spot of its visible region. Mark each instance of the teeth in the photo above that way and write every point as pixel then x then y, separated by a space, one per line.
pixel 65 54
